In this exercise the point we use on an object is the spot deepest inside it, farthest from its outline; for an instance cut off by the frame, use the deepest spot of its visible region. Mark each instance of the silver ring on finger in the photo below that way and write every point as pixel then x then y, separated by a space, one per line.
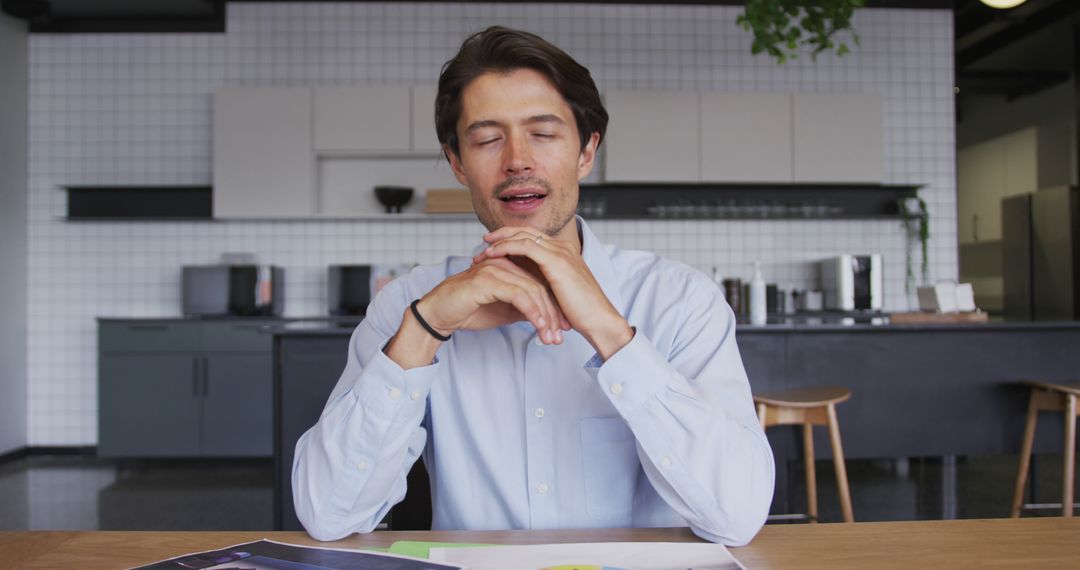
pixel 539 239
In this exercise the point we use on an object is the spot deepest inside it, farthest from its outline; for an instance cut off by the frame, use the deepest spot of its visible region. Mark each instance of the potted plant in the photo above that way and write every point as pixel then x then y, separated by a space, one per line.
pixel 916 220
pixel 781 26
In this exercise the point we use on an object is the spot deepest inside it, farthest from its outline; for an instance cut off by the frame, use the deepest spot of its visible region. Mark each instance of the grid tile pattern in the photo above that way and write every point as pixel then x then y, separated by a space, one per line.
pixel 136 109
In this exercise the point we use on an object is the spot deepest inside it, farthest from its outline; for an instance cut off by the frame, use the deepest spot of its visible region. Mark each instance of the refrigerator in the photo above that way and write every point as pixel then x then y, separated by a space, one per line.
pixel 1041 254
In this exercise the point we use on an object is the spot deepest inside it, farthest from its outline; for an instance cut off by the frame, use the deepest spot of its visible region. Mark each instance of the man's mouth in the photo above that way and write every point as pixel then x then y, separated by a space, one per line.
pixel 523 199
pixel 512 197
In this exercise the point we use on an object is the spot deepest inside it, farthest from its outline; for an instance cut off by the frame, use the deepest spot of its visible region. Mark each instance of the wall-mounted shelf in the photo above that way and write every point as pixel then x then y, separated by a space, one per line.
pixel 125 203
pixel 742 201
pixel 597 202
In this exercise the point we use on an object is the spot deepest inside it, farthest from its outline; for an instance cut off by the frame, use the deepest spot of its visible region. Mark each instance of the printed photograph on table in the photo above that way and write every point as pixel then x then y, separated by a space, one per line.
pixel 270 555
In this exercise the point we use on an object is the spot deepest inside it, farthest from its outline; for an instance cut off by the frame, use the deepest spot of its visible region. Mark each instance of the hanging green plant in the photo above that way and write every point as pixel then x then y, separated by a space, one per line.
pixel 781 26
pixel 916 220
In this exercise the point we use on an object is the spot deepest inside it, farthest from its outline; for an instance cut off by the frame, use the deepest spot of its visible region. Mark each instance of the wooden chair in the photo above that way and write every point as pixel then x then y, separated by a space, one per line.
pixel 809 407
pixel 1048 396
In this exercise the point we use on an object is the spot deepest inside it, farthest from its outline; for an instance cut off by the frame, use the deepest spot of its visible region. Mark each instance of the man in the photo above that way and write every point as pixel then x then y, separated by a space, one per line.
pixel 550 381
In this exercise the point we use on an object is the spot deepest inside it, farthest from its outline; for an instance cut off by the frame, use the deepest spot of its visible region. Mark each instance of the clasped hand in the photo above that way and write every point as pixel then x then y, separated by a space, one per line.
pixel 524 275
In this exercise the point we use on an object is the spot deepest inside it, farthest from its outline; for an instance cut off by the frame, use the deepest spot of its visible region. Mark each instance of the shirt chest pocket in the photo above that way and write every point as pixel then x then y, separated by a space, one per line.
pixel 611 467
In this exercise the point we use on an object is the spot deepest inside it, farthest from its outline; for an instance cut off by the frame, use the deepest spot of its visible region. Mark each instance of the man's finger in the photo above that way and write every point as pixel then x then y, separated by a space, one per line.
pixel 507 231
pixel 556 319
pixel 531 298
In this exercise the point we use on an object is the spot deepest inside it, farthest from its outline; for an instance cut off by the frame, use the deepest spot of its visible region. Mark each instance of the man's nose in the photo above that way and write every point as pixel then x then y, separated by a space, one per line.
pixel 518 156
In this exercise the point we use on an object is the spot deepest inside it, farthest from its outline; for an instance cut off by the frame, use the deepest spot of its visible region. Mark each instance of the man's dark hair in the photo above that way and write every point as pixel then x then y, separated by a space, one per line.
pixel 504 50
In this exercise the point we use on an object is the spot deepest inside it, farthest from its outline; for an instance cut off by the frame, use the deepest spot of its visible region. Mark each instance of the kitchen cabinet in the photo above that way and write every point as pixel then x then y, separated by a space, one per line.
pixel 423 119
pixel 1020 162
pixel 746 137
pixel 837 137
pixel 276 150
pixel 664 136
pixel 184 389
pixel 653 136
pixel 263 163
pixel 362 119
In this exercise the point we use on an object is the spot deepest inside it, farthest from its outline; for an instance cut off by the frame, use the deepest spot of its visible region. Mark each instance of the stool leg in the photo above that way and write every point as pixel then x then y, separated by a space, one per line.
pixel 1070 456
pixel 838 463
pixel 811 476
pixel 1025 456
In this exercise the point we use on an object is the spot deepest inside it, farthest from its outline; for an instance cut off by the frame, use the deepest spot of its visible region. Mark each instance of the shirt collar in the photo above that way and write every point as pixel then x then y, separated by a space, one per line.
pixel 599 262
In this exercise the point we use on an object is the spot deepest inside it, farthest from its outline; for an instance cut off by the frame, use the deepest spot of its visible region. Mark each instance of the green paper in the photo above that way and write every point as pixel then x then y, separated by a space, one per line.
pixel 422 549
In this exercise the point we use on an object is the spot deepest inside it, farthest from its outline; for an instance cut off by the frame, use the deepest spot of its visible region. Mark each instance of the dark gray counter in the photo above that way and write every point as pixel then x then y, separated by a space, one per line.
pixel 918 390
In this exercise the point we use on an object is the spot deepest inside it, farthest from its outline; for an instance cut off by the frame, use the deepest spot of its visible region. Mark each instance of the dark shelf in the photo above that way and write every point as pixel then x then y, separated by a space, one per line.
pixel 139 203
pixel 742 201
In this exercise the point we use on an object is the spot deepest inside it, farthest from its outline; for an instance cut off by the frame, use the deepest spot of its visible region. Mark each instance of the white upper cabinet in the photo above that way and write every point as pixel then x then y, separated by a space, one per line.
pixel 837 138
pixel 423 118
pixel 746 137
pixel 652 137
pixel 362 119
pixel 263 165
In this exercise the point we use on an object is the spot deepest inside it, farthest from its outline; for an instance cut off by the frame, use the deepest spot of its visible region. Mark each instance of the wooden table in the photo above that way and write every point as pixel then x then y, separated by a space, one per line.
pixel 1006 543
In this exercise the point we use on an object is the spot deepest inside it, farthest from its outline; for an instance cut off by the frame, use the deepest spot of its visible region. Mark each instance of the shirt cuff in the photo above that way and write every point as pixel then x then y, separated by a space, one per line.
pixel 386 390
pixel 634 375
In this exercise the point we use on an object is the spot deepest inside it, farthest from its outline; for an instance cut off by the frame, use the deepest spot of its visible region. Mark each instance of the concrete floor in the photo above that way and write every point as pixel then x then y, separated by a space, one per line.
pixel 87 493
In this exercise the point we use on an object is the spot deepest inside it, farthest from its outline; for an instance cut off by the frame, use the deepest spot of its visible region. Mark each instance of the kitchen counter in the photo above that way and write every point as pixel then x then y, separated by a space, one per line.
pixel 817 323
pixel 918 390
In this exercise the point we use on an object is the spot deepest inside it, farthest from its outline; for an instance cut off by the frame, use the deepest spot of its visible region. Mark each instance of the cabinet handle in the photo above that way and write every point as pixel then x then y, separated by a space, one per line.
pixel 146 328
pixel 195 377
pixel 206 376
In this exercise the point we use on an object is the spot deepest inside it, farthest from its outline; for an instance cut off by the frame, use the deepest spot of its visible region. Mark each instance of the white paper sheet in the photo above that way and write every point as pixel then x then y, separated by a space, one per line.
pixel 593 556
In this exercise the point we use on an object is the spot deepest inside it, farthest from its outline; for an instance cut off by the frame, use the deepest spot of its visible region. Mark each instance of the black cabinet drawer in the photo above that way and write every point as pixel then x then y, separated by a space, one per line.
pixel 236 337
pixel 148 336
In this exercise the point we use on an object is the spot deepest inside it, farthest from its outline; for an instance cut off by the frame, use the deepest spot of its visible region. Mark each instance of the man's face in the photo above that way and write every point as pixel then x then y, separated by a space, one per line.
pixel 520 153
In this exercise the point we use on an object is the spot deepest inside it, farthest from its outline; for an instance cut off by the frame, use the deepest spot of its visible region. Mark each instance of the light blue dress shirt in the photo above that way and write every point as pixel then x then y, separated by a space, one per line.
pixel 520 435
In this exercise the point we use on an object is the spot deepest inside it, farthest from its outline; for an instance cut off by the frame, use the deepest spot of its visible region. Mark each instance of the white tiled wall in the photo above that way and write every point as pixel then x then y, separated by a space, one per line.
pixel 136 109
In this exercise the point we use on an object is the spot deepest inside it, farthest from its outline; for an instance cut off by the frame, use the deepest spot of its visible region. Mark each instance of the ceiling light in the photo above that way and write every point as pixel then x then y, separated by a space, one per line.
pixel 1003 4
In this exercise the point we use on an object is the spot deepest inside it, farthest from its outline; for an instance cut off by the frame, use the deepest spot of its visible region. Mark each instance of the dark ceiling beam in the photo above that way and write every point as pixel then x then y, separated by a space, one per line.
pixel 1033 23
pixel 970 15
pixel 1012 84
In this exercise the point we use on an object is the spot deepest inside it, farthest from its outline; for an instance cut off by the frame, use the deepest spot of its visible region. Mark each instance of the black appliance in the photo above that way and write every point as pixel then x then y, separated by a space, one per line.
pixel 233 290
pixel 348 289
pixel 1040 237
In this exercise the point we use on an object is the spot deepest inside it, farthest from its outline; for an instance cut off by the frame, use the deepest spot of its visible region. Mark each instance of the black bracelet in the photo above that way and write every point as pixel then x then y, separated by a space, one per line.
pixel 423 323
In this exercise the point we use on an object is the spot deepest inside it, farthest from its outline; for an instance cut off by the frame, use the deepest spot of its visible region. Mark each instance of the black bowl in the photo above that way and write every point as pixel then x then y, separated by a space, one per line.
pixel 393 197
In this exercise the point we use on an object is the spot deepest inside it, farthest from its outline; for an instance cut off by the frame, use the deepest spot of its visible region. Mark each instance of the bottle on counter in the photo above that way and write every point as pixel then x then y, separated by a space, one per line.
pixel 757 297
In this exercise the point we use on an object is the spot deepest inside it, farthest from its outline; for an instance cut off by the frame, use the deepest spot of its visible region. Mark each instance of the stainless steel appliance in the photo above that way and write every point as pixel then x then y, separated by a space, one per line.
pixel 1040 235
pixel 348 289
pixel 233 290
pixel 852 282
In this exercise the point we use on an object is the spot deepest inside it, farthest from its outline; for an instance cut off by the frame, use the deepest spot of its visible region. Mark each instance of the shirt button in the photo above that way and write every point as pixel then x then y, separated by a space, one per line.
pixel 542 487
pixel 394 393
pixel 362 466
pixel 616 388
pixel 666 462
pixel 415 395
pixel 539 412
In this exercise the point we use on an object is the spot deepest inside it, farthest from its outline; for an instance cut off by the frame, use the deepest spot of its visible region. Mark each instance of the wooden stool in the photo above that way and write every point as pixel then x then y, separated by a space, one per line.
pixel 1047 396
pixel 809 407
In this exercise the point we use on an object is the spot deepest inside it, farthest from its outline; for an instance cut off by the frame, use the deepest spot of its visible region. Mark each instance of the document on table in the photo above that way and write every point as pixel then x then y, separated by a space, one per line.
pixel 271 555
pixel 593 556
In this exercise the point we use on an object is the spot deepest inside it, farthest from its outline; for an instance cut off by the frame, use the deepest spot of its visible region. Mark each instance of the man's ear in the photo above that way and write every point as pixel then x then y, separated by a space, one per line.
pixel 588 156
pixel 455 164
